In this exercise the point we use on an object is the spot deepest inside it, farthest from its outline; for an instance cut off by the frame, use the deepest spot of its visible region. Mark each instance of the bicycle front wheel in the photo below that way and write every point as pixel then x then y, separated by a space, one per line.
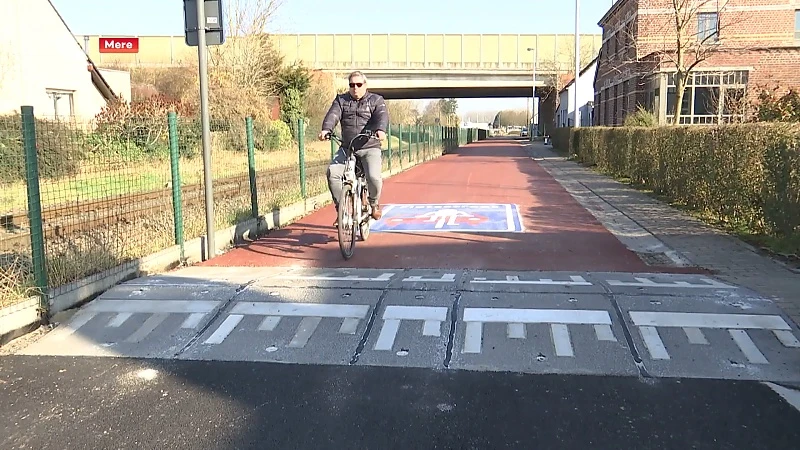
pixel 347 222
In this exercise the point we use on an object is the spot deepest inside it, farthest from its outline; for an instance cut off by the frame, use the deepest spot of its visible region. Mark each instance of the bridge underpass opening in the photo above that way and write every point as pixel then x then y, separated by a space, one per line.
pixel 546 97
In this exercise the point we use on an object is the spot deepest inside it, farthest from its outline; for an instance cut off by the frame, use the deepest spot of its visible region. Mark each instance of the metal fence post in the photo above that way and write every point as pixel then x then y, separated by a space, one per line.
pixel 301 147
pixel 174 164
pixel 251 165
pixel 334 149
pixel 35 210
pixel 389 144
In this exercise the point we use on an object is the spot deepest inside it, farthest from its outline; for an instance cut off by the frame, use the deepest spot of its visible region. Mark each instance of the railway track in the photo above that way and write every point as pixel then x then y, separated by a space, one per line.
pixel 71 218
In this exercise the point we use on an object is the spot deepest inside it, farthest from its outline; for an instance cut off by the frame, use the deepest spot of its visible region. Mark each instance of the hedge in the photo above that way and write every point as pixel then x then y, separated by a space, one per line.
pixel 746 173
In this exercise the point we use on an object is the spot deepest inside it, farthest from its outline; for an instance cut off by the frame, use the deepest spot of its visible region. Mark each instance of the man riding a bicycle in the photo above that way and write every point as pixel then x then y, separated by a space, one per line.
pixel 357 110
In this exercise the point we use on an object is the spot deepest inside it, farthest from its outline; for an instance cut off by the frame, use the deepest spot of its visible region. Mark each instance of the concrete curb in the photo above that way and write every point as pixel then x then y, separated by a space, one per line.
pixel 22 318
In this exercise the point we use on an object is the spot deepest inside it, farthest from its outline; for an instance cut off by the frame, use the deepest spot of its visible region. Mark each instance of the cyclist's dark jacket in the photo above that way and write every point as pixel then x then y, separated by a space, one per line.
pixel 369 113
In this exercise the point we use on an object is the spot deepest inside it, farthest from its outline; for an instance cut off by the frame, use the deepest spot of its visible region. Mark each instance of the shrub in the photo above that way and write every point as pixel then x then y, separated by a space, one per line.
pixel 59 147
pixel 272 135
pixel 741 174
pixel 641 118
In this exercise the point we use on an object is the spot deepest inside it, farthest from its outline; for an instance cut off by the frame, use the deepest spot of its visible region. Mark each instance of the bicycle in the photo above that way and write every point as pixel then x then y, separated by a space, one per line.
pixel 353 199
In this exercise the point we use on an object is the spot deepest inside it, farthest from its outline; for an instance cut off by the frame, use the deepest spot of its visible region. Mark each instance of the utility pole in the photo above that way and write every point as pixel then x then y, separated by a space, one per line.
pixel 204 28
pixel 576 113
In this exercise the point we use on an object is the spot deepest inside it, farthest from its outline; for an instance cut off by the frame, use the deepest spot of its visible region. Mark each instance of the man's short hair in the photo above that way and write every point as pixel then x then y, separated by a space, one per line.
pixel 357 73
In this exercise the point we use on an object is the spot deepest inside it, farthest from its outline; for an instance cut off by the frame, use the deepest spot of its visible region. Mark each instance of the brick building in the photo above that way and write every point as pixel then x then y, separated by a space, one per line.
pixel 746 45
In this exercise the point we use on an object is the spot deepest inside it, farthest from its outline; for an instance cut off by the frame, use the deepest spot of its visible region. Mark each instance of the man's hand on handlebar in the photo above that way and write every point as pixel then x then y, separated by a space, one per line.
pixel 381 135
pixel 324 135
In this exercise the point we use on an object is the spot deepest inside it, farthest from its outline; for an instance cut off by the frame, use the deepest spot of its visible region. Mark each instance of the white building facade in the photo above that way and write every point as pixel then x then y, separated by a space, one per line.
pixel 585 93
pixel 44 66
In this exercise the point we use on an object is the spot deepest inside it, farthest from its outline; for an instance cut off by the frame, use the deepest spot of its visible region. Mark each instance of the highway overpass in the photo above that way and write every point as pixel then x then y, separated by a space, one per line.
pixel 401 65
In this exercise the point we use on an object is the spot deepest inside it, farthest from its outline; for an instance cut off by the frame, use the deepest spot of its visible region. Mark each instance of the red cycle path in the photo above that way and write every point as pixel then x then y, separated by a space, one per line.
pixel 559 233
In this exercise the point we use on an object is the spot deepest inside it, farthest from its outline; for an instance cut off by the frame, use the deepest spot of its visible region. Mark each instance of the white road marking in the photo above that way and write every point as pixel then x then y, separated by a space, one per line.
pixel 695 335
pixel 787 338
pixel 147 327
pixel 382 277
pixel 312 314
pixel 301 310
pixel 79 319
pixel 119 319
pixel 748 347
pixel 604 333
pixel 304 331
pixel 432 317
pixel 561 339
pixel 645 282
pixel 736 324
pixel 224 329
pixel 510 218
pixel 446 278
pixel 193 320
pixel 516 331
pixel 517 318
pixel 792 396
pixel 575 280
pixel 269 323
pixel 151 306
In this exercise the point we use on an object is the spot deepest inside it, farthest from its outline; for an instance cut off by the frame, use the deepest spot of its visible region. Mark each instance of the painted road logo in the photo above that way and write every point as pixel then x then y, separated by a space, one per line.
pixel 451 217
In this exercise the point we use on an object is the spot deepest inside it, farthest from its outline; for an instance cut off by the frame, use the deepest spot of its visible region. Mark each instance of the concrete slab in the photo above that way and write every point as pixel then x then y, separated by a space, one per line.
pixel 518 281
pixel 713 338
pixel 673 284
pixel 427 280
pixel 331 278
pixel 540 333
pixel 289 325
pixel 411 330
pixel 129 328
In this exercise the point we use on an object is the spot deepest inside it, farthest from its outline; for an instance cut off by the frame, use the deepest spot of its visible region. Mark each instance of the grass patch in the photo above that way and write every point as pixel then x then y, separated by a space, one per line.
pixel 786 248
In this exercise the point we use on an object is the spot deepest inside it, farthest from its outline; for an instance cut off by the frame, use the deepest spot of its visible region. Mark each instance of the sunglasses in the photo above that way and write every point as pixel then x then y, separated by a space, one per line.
pixel 356 84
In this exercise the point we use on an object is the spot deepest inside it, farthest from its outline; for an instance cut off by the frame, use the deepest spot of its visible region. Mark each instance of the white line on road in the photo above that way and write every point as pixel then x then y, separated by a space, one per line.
pixel 312 314
pixel 119 319
pixel 225 329
pixel 382 277
pixel 432 317
pixel 517 318
pixel 645 282
pixel 147 327
pixel 736 324
pixel 575 280
pixel 151 306
pixel 446 278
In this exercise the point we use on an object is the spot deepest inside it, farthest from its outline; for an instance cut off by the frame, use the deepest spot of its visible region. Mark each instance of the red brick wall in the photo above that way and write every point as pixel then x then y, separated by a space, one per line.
pixel 746 27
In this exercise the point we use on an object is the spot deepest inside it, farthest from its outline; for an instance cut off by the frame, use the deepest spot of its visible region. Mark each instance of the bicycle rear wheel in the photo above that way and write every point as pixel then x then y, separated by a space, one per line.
pixel 347 223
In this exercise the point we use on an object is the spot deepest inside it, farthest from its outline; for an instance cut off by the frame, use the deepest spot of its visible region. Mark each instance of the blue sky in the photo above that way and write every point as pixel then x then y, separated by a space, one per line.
pixel 160 17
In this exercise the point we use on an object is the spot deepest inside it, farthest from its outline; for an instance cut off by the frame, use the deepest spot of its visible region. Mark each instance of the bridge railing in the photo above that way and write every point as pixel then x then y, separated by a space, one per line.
pixel 394 65
pixel 88 200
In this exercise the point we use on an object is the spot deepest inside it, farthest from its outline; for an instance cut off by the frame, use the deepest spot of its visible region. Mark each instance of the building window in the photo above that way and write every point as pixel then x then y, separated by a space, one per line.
pixel 797 25
pixel 707 27
pixel 709 98
pixel 63 102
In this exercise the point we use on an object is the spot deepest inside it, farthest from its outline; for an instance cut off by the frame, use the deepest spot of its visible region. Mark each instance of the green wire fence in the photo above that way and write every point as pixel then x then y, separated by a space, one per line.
pixel 81 198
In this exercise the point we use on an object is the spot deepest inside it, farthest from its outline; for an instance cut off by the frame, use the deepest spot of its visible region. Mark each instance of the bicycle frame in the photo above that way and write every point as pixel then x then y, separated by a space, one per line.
pixel 354 183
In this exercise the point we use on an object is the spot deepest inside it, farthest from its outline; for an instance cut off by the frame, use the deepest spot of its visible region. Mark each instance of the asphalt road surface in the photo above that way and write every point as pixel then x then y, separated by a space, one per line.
pixel 92 403
pixel 488 309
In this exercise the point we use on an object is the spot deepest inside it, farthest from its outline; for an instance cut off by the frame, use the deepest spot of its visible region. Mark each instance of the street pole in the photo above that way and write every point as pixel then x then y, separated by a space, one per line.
pixel 206 133
pixel 576 113
pixel 535 109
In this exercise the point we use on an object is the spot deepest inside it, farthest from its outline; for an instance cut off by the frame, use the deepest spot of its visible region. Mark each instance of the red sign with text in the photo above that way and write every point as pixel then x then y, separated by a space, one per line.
pixel 119 45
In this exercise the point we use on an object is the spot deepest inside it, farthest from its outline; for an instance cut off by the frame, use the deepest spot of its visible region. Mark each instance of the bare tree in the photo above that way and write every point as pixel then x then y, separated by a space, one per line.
pixel 693 44
pixel 561 70
pixel 248 58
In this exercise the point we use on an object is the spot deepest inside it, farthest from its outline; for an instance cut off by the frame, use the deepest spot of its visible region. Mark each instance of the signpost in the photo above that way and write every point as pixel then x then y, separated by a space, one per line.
pixel 203 27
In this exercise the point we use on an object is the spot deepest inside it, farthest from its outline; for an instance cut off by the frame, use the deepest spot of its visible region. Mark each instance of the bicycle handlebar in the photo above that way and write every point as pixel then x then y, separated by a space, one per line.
pixel 368 133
